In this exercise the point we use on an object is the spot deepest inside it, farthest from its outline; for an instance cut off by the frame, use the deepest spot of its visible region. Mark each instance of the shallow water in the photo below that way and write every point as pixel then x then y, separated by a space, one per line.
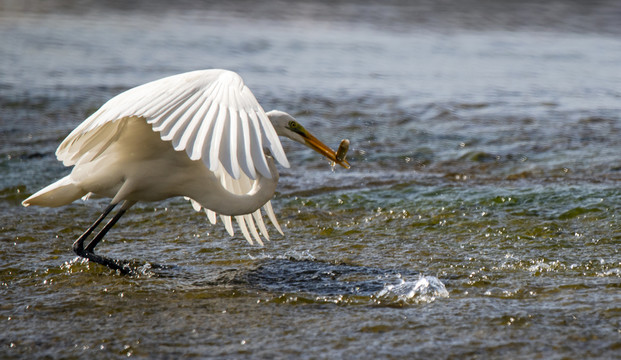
pixel 480 218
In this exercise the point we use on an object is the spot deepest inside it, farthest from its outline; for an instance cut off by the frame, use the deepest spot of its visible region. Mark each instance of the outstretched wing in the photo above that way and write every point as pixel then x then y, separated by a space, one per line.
pixel 210 114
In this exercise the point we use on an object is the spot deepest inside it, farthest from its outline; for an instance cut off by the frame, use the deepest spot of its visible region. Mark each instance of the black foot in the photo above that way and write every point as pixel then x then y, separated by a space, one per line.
pixel 122 267
pixel 89 251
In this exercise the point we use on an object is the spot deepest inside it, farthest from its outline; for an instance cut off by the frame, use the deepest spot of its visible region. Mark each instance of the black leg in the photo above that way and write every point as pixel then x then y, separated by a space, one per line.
pixel 78 246
pixel 91 246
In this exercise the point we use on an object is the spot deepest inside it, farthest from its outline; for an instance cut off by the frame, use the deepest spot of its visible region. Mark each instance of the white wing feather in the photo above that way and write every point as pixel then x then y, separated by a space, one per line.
pixel 209 114
pixel 247 223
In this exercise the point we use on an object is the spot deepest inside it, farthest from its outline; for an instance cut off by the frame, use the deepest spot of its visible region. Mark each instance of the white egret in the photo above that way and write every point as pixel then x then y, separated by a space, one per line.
pixel 201 135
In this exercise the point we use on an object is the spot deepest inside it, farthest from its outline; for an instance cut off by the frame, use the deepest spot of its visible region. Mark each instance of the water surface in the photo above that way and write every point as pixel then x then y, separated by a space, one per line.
pixel 480 218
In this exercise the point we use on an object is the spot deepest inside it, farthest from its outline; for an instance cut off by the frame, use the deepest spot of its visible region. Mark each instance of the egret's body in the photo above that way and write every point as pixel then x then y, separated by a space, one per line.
pixel 139 166
pixel 201 135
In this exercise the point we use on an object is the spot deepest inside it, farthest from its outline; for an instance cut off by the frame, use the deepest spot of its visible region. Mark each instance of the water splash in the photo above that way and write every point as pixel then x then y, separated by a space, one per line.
pixel 425 289
pixel 297 255
pixel 293 255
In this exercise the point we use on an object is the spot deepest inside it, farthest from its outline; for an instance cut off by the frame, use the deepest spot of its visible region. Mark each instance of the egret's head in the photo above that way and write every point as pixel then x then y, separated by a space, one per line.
pixel 287 126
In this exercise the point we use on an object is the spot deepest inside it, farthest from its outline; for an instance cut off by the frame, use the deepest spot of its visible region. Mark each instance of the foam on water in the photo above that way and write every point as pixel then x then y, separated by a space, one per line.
pixel 294 255
pixel 424 289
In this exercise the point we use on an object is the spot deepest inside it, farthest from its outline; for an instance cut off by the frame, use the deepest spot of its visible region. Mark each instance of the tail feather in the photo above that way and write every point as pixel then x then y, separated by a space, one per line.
pixel 62 192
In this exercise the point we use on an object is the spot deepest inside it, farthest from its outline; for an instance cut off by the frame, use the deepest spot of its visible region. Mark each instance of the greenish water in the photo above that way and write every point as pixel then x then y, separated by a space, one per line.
pixel 480 218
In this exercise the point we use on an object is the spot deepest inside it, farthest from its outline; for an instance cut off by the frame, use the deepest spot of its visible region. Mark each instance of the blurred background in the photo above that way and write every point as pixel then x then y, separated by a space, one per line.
pixel 480 217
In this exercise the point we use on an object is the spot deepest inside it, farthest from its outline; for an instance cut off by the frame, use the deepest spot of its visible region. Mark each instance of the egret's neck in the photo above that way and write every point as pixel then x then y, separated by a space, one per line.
pixel 225 202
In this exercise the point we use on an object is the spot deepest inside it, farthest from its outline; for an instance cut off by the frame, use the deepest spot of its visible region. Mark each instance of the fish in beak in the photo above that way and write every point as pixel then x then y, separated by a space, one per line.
pixel 336 157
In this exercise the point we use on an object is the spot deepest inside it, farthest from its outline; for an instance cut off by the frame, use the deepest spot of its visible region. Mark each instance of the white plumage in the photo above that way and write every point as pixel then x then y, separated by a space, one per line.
pixel 201 135
pixel 210 114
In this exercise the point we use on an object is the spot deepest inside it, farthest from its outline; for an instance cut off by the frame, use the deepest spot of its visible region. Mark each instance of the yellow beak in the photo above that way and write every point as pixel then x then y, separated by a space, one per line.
pixel 323 149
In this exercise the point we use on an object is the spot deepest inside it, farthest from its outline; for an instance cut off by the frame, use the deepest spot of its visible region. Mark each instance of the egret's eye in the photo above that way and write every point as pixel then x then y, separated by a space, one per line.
pixel 293 125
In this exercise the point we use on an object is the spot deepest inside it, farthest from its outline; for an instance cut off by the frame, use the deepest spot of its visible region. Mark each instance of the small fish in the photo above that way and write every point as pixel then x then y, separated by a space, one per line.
pixel 341 153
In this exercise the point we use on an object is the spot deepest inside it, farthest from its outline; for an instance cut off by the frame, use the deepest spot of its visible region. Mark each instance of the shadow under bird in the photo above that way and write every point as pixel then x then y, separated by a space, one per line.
pixel 201 135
